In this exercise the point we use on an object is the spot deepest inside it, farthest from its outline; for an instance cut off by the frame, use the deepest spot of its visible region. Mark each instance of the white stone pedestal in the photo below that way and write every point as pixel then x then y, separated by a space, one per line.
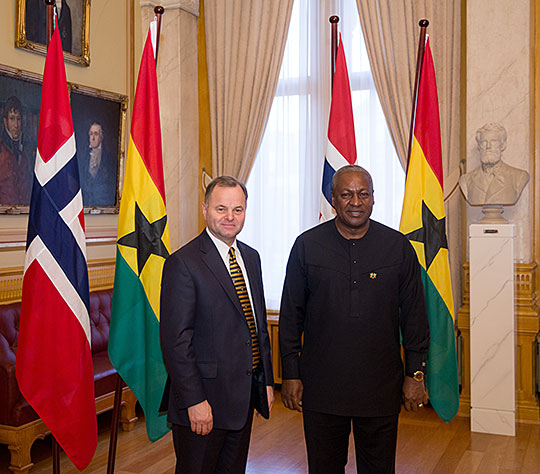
pixel 493 344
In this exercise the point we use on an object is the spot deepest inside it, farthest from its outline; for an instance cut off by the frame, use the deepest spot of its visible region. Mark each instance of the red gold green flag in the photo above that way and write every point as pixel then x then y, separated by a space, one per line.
pixel 142 246
pixel 423 222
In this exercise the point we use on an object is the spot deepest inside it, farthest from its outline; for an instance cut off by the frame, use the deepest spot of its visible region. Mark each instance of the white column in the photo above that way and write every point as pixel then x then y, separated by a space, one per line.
pixel 493 339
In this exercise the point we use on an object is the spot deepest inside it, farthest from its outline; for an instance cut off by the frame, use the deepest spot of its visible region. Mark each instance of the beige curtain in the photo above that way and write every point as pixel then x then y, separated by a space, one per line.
pixel 245 44
pixel 391 34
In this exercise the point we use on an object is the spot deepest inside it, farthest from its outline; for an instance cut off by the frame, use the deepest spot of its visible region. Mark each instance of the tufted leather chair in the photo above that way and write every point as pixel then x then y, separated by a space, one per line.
pixel 15 410
pixel 9 332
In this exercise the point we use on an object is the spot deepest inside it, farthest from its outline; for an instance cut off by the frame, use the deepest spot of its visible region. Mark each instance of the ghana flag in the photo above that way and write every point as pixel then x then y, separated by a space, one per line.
pixel 142 246
pixel 423 222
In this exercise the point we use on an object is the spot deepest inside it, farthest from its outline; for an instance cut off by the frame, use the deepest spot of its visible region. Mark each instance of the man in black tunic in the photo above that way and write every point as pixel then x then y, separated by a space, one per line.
pixel 353 292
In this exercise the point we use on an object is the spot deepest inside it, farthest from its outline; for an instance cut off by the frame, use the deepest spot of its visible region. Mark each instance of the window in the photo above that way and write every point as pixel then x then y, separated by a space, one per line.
pixel 285 183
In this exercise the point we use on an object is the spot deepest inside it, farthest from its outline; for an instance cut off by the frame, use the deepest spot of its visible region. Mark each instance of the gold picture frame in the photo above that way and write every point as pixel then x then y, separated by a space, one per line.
pixel 74 24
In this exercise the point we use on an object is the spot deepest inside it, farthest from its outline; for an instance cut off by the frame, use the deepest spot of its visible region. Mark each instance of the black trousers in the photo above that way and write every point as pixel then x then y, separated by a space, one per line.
pixel 327 442
pixel 220 451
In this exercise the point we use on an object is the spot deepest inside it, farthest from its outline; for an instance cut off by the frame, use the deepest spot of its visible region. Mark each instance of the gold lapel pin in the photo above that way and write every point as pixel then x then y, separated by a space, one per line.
pixel 373 276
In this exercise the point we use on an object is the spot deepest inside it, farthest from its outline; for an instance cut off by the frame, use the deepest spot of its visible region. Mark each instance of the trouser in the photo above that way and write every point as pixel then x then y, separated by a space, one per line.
pixel 220 451
pixel 327 442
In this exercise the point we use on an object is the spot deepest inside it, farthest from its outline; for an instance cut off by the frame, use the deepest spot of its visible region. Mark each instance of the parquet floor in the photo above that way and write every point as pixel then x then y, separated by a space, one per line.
pixel 425 445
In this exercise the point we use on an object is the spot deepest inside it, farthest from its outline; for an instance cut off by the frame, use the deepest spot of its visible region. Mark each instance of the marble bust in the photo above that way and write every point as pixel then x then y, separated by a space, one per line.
pixel 493 182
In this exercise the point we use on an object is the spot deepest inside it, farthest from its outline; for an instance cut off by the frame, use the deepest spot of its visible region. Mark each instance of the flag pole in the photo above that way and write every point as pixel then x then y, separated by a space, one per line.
pixel 50 26
pixel 50 19
pixel 334 20
pixel 420 57
pixel 55 455
pixel 158 10
pixel 113 441
pixel 114 424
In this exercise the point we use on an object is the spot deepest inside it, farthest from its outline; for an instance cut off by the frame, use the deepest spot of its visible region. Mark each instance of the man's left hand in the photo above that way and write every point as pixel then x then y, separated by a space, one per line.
pixel 414 394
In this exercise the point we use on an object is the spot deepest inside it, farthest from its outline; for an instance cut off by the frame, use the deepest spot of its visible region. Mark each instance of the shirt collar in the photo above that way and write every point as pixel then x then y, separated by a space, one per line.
pixel 222 247
pixel 14 140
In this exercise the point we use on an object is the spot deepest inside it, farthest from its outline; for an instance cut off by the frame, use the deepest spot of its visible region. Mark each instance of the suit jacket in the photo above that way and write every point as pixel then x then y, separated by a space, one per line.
pixel 15 173
pixel 98 190
pixel 205 338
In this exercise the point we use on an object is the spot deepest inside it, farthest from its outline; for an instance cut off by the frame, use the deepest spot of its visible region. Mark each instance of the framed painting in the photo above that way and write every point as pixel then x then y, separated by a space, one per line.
pixel 20 95
pixel 73 24
pixel 99 120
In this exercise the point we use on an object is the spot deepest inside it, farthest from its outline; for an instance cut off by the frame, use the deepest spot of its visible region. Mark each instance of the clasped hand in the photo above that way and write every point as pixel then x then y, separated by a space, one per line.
pixel 200 417
pixel 292 391
pixel 414 394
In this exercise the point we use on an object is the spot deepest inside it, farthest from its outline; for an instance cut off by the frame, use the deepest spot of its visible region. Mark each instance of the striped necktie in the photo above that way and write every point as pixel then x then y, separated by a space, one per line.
pixel 241 290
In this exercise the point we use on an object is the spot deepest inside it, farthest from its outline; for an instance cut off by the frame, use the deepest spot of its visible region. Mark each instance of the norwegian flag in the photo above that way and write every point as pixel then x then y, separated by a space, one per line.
pixel 341 148
pixel 54 362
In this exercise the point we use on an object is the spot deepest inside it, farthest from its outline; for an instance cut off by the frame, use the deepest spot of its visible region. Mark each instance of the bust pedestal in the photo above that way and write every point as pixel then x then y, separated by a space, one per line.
pixel 493 339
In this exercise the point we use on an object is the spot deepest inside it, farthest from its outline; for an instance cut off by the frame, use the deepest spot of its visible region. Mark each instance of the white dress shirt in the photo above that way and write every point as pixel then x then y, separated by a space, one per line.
pixel 223 250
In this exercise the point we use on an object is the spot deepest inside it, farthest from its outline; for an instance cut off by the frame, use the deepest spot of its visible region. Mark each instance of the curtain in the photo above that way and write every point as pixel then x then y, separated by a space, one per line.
pixel 285 182
pixel 391 35
pixel 245 44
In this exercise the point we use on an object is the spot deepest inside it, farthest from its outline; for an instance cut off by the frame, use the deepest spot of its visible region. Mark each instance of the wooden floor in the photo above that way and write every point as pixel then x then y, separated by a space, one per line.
pixel 425 445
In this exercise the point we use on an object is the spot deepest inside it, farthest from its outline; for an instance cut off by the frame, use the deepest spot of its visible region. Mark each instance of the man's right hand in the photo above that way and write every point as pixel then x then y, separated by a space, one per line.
pixel 291 394
pixel 200 417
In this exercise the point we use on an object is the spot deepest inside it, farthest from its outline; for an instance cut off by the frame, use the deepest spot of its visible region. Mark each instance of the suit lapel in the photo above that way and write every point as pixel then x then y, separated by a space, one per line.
pixel 213 260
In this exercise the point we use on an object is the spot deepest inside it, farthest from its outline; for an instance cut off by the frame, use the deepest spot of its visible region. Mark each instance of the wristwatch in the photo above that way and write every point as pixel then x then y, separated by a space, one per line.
pixel 418 376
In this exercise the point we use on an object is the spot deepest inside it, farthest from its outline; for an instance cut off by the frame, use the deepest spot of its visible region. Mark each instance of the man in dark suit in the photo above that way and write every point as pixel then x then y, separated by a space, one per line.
pixel 36 22
pixel 352 290
pixel 97 170
pixel 15 165
pixel 215 340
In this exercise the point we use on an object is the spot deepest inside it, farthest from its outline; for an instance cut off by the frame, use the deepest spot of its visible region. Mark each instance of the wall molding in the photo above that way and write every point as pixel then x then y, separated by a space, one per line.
pixel 100 274
pixel 13 239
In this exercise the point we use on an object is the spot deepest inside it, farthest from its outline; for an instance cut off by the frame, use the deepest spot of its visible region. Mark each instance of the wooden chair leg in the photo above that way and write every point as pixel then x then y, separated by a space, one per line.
pixel 19 440
pixel 128 416
pixel 21 460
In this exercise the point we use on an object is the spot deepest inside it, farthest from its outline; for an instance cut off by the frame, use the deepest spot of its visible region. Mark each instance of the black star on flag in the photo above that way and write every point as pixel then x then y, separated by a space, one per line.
pixel 146 238
pixel 432 234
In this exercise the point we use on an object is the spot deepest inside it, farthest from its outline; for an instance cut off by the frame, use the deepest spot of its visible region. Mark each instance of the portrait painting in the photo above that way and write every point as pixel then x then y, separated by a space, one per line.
pixel 73 25
pixel 20 95
pixel 98 122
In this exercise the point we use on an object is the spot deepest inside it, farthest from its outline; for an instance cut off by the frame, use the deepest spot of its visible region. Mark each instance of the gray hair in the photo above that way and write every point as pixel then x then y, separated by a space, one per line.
pixel 350 169
pixel 97 124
